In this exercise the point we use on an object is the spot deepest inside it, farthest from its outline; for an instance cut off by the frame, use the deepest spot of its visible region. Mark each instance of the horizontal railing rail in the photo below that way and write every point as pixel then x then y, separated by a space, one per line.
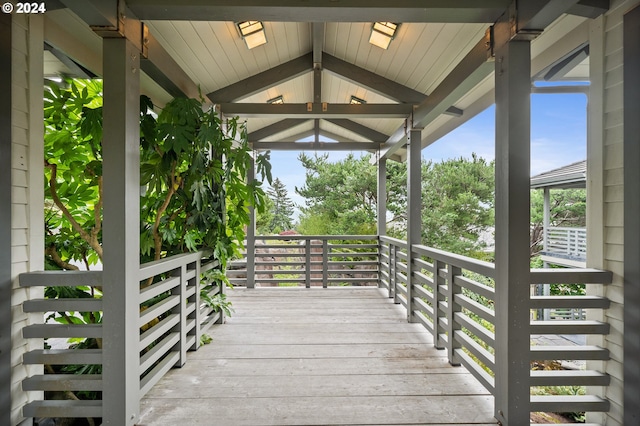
pixel 309 260
pixel 171 321
pixel 565 241
pixel 453 297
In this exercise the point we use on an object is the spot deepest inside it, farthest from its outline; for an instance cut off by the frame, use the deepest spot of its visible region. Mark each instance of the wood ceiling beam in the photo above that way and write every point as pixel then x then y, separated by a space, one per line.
pixel 165 71
pixel 256 83
pixel 311 110
pixel 532 16
pixel 96 13
pixel 589 8
pixel 566 64
pixel 377 83
pixel 76 69
pixel 460 11
pixel 535 15
pixel 109 18
pixel 316 146
pixel 318 46
pixel 275 128
pixel 359 129
pixel 318 41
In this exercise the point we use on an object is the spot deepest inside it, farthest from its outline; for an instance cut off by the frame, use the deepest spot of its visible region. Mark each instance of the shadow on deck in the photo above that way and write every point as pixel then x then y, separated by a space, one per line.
pixel 295 356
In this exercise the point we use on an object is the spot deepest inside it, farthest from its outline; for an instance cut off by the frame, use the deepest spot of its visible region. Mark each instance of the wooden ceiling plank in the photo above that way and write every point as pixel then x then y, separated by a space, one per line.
pixel 261 81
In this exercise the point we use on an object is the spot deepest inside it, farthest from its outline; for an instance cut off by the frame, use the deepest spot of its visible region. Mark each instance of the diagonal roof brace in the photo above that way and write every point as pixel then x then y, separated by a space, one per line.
pixel 524 22
pixel 377 83
pixel 472 69
pixel 262 81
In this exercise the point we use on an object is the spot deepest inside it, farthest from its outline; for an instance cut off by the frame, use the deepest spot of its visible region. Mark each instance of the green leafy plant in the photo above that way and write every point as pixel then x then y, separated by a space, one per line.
pixel 205 339
pixel 193 170
pixel 218 302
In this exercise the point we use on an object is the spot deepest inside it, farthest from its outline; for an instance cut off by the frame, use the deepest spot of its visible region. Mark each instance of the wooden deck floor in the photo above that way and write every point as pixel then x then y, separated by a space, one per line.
pixel 341 356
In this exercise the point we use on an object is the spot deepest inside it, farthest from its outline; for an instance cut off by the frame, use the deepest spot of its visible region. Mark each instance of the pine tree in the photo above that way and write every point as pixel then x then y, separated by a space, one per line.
pixel 282 207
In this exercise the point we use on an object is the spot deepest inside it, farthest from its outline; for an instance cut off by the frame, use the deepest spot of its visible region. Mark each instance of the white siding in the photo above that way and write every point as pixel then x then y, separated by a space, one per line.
pixel 27 198
pixel 606 144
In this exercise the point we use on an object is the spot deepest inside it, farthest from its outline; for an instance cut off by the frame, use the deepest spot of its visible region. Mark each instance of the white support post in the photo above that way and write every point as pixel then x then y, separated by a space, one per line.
pixel 631 344
pixel 544 289
pixel 414 208
pixel 180 309
pixel 513 154
pixel 251 233
pixel 392 272
pixel 325 263
pixel 453 308
pixel 307 263
pixel 595 189
pixel 382 208
pixel 439 297
pixel 546 220
pixel 382 197
pixel 121 232
pixel 197 331
pixel 5 220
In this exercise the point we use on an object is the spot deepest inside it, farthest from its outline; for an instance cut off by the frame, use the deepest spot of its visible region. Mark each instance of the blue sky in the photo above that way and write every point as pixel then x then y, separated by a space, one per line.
pixel 558 137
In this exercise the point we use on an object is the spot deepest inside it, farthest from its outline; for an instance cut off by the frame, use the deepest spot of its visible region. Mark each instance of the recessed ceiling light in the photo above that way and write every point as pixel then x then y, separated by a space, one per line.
pixel 278 100
pixel 252 33
pixel 357 101
pixel 382 33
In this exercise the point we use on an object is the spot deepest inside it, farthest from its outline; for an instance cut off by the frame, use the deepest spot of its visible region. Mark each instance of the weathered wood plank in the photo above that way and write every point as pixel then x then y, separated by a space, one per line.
pixel 376 350
pixel 310 410
pixel 317 356
pixel 322 386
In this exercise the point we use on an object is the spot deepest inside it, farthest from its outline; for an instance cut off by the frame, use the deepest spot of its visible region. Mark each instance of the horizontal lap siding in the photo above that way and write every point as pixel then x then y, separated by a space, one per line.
pixel 613 182
pixel 26 193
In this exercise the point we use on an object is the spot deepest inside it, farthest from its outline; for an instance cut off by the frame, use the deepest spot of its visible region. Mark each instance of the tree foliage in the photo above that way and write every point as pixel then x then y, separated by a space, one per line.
pixel 457 203
pixel 457 200
pixel 73 174
pixel 193 171
pixel 281 208
pixel 340 197
pixel 567 208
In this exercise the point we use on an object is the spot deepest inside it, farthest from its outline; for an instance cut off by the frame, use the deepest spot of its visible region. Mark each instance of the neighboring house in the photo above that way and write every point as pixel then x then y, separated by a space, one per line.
pixel 565 246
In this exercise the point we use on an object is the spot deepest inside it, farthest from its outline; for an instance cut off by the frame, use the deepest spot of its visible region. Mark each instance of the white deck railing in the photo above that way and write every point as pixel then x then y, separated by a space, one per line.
pixel 568 242
pixel 309 260
pixel 453 298
pixel 171 321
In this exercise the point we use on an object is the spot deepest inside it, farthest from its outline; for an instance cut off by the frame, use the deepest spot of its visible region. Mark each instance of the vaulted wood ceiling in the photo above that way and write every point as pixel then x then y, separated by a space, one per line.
pixel 326 61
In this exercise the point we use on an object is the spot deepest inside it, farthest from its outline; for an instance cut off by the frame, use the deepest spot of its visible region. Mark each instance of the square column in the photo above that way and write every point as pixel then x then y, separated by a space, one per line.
pixel 121 232
pixel 513 157
pixel 5 220
pixel 414 206
pixel 382 197
pixel 251 231
pixel 381 208
pixel 631 48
